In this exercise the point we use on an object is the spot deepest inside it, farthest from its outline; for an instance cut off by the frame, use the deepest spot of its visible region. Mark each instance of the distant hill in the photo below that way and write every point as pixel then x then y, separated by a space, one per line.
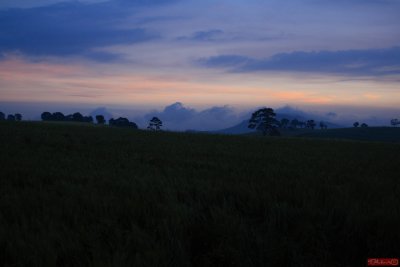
pixel 242 128
pixel 385 134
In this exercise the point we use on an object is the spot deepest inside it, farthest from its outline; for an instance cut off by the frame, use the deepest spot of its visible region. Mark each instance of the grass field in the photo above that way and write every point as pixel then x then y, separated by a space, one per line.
pixel 381 134
pixel 74 195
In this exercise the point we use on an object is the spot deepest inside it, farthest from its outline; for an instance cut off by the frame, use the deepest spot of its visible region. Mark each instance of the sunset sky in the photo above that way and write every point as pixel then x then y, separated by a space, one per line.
pixel 315 54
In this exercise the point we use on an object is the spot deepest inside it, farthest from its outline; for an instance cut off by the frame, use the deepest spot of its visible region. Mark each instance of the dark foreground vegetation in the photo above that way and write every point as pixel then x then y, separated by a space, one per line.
pixel 381 134
pixel 86 195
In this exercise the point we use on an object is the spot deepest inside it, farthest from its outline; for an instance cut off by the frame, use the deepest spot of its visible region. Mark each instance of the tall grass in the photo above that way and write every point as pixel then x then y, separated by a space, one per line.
pixel 74 195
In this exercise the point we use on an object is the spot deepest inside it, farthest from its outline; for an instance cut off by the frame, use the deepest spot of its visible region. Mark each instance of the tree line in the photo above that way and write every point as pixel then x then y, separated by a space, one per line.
pixel 263 120
pixel 395 122
pixel 78 117
pixel 59 116
pixel 362 125
pixel 10 117
pixel 154 124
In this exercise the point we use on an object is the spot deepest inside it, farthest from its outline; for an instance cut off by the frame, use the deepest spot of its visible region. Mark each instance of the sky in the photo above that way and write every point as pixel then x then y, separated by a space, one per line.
pixel 218 57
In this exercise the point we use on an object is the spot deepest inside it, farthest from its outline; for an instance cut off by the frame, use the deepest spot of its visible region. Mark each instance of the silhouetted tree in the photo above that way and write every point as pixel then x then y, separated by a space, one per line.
pixel 77 117
pixel 46 116
pixel 274 132
pixel 302 124
pixel 2 116
pixel 311 124
pixel 364 125
pixel 58 116
pixel 18 117
pixel 11 117
pixel 322 125
pixel 264 120
pixel 133 125
pixel 122 122
pixel 394 122
pixel 155 124
pixel 100 119
pixel 284 123
pixel 88 119
pixel 356 124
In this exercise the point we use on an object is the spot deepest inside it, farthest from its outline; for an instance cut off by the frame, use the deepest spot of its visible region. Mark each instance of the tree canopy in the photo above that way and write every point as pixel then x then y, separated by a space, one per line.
pixel 122 122
pixel 264 121
pixel 59 116
pixel 155 124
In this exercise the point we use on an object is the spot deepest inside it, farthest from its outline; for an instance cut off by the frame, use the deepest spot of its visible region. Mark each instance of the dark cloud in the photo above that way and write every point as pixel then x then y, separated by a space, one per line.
pixel 211 35
pixel 226 61
pixel 69 29
pixel 354 62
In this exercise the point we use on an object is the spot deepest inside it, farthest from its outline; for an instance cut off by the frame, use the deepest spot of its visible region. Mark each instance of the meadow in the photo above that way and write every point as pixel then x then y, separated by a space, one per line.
pixel 86 195
pixel 380 134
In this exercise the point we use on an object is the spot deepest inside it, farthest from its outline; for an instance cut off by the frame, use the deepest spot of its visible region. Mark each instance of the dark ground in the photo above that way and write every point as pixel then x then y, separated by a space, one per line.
pixel 76 195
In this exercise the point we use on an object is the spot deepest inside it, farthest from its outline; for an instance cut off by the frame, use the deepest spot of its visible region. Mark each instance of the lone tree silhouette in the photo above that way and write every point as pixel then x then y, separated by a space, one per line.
pixel 364 125
pixel 264 120
pixel 356 124
pixel 2 116
pixel 155 124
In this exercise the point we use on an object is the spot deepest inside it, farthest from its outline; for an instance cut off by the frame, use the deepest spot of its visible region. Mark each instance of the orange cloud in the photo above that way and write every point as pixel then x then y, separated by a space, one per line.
pixel 372 96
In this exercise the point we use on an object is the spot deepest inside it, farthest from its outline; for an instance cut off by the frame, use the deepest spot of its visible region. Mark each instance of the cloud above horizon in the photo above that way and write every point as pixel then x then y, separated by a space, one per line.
pixel 373 62
pixel 179 117
pixel 250 52
pixel 73 28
